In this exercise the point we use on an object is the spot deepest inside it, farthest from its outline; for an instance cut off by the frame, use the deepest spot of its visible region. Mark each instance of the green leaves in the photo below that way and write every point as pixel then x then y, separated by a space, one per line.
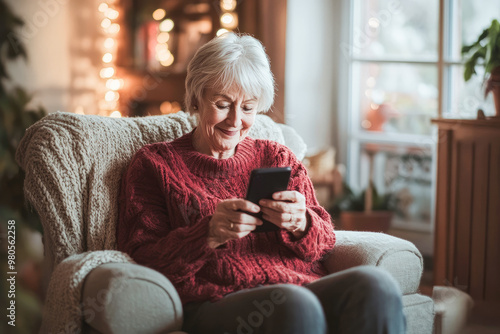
pixel 15 117
pixel 350 201
pixel 483 54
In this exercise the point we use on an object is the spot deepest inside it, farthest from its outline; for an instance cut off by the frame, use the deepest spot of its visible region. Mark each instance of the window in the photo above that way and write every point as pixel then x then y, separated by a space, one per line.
pixel 404 68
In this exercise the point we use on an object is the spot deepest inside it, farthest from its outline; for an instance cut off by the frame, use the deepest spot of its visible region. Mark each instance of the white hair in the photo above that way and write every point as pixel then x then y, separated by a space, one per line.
pixel 228 60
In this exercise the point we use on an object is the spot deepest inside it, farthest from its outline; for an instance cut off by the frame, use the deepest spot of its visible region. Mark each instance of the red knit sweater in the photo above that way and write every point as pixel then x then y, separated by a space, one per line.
pixel 168 196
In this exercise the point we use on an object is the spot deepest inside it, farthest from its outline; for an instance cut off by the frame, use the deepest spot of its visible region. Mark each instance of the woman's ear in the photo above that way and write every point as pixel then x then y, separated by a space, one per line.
pixel 195 105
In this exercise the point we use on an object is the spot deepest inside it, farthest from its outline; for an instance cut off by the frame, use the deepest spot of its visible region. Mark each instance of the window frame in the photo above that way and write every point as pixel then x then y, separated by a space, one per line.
pixel 352 137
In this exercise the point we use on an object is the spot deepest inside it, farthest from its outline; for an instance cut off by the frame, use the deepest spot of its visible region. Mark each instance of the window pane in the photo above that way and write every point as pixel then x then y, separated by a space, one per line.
pixel 389 28
pixel 405 172
pixel 465 98
pixel 469 19
pixel 395 98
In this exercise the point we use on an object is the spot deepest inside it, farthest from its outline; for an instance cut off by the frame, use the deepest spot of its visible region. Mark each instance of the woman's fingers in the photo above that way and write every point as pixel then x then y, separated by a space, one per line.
pixel 233 219
pixel 286 209
pixel 242 222
pixel 239 204
pixel 291 202
pixel 289 195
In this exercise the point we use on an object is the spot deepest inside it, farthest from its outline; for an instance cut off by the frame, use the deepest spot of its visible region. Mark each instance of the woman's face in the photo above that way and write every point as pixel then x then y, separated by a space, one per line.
pixel 225 119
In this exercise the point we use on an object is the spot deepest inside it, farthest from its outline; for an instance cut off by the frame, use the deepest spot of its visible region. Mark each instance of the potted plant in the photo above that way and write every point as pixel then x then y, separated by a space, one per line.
pixel 485 52
pixel 366 211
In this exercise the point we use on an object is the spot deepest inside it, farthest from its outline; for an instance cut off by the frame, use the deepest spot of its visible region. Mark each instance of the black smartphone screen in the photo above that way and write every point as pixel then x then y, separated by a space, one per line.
pixel 264 182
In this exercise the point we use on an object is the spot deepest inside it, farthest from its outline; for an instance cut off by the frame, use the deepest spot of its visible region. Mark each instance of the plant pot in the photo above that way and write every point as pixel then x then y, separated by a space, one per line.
pixel 375 221
pixel 495 89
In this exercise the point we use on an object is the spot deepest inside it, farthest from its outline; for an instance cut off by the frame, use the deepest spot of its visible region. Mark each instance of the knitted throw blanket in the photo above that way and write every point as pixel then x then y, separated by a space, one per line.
pixel 73 166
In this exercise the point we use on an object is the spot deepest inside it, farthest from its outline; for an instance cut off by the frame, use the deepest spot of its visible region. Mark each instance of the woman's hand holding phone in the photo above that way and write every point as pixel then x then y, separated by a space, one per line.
pixel 231 220
pixel 287 210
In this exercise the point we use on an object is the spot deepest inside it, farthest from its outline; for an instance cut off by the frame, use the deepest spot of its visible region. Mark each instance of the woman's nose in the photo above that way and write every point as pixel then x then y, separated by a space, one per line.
pixel 235 116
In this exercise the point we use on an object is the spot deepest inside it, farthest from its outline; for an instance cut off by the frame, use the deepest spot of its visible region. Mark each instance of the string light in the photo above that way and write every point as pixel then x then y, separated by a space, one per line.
pixel 110 99
pixel 111 96
pixel 163 54
pixel 102 7
pixel 159 14
pixel 114 84
pixel 111 14
pixel 169 61
pixel 106 23
pixel 109 43
pixel 113 29
pixel 228 18
pixel 107 72
pixel 221 31
pixel 228 5
pixel 166 25
pixel 107 58
pixel 163 37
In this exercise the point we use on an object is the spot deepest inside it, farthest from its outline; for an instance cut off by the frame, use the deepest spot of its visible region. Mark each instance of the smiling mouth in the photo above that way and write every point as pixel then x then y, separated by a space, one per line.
pixel 229 133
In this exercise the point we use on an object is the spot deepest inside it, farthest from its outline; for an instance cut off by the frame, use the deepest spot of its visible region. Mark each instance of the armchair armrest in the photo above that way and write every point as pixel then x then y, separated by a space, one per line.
pixel 130 298
pixel 399 257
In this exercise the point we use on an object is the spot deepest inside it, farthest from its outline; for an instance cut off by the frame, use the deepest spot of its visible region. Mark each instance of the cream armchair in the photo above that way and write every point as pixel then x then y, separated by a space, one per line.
pixel 73 166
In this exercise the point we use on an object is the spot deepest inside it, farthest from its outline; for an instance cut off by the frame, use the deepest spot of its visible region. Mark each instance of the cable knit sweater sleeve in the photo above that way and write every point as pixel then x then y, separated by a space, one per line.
pixel 145 228
pixel 319 238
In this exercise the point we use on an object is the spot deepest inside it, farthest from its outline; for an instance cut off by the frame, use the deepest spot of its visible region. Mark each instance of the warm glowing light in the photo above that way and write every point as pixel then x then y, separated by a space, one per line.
pixel 163 37
pixel 370 82
pixel 166 107
pixel 163 56
pixel 228 5
pixel 111 96
pixel 168 62
pixel 373 22
pixel 107 72
pixel 111 13
pixel 366 124
pixel 106 23
pixel 79 110
pixel 221 31
pixel 105 105
pixel 229 20
pixel 103 6
pixel 114 28
pixel 374 106
pixel 176 106
pixel 107 58
pixel 161 48
pixel 116 114
pixel 114 84
pixel 166 25
pixel 159 14
pixel 109 43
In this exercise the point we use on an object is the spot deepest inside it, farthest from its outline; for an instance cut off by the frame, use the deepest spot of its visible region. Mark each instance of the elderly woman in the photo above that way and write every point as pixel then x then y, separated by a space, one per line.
pixel 183 213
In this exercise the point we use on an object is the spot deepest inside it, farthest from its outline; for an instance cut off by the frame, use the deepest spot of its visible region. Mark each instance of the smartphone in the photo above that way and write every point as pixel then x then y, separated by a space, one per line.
pixel 264 182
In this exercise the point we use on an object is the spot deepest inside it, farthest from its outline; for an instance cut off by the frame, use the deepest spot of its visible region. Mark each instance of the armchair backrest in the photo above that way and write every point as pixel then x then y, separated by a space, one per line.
pixel 74 164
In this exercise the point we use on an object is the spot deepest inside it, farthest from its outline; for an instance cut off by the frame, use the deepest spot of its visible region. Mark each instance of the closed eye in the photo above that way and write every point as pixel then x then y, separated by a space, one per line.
pixel 248 109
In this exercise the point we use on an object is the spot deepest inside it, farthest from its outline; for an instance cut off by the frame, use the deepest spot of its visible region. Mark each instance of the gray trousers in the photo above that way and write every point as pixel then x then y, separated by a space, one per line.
pixel 363 299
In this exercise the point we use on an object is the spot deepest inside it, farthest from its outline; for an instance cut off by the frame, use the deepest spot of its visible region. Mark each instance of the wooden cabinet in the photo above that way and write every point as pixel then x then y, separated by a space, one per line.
pixel 467 230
